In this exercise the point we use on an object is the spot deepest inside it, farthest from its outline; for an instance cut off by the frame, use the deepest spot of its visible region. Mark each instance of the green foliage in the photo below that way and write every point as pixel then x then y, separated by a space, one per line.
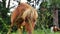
pixel 44 4
pixel 4 18
pixel 44 20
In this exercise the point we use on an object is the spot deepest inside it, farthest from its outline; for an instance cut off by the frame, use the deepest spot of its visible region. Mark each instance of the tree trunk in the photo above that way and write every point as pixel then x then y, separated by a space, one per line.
pixel 55 17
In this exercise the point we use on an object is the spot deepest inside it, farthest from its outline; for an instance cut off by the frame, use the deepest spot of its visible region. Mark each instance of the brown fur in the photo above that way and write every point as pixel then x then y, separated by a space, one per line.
pixel 55 28
pixel 21 16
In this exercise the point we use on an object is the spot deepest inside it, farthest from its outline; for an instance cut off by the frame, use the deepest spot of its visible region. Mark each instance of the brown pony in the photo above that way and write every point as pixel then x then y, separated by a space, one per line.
pixel 24 15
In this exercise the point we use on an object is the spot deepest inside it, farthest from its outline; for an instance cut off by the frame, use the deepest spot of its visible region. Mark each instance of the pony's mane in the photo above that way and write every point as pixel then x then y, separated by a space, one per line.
pixel 30 11
pixel 24 10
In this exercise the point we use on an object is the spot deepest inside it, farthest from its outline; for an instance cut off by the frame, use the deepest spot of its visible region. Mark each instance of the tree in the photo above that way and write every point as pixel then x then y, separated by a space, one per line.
pixel 4 18
pixel 55 5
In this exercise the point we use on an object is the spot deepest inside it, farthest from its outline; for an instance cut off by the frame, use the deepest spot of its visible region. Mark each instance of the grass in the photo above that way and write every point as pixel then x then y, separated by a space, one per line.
pixel 40 32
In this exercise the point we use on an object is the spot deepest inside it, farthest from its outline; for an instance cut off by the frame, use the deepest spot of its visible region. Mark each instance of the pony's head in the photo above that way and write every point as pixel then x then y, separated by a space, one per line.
pixel 24 15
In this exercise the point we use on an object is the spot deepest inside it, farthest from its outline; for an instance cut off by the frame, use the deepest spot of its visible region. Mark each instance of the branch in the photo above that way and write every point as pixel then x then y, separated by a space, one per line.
pixel 8 4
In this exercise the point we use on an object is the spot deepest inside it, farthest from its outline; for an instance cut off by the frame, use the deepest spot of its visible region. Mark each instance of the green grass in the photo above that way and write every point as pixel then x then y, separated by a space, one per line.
pixel 35 32
pixel 39 32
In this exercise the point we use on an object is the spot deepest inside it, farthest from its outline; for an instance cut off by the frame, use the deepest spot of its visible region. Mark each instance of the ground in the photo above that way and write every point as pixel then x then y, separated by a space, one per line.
pixel 39 32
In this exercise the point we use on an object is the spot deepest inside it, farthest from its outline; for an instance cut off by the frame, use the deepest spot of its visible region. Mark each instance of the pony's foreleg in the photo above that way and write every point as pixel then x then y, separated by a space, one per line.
pixel 32 29
pixel 29 28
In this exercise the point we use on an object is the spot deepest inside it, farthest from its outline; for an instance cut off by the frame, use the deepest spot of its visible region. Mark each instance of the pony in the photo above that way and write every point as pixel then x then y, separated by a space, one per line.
pixel 24 15
pixel 54 28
